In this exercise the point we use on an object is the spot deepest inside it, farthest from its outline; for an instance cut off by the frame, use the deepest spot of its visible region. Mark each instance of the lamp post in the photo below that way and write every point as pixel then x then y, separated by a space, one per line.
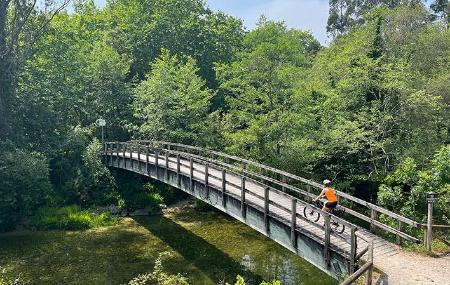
pixel 102 123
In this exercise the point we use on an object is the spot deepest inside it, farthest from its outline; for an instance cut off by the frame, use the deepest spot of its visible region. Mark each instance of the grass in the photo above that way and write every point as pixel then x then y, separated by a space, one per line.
pixel 205 247
pixel 69 218
pixel 438 249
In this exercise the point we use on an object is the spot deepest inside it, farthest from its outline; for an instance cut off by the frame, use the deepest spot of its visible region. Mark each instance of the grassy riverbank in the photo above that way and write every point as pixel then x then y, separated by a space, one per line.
pixel 206 247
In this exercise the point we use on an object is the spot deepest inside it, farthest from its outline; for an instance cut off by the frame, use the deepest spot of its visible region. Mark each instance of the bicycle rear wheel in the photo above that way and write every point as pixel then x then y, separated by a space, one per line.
pixel 337 227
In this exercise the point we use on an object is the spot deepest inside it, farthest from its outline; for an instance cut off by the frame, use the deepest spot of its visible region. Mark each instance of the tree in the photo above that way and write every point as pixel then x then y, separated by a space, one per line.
pixel 346 14
pixel 21 25
pixel 258 88
pixel 441 8
pixel 139 30
pixel 173 102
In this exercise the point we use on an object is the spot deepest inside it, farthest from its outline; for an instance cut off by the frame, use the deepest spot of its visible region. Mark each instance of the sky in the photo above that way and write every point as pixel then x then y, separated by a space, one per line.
pixel 309 15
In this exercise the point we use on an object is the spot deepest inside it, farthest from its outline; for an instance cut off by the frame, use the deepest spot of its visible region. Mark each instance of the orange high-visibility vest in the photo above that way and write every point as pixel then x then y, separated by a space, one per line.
pixel 330 194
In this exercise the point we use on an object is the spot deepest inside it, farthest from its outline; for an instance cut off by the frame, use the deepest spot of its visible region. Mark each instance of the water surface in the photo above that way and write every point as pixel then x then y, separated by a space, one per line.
pixel 207 247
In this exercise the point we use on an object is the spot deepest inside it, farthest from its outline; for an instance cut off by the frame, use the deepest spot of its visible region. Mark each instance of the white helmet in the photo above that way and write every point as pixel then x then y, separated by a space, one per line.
pixel 326 182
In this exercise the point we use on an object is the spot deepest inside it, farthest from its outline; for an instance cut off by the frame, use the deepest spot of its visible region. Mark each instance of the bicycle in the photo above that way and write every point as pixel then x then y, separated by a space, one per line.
pixel 313 214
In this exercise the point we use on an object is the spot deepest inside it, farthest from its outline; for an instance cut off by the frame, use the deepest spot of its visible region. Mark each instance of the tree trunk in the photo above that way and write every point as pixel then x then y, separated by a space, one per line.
pixel 5 72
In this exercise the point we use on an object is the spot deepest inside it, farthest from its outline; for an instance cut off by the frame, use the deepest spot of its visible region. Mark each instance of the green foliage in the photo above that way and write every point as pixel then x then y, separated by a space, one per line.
pixel 405 189
pixel 159 276
pixel 172 104
pixel 259 87
pixel 139 30
pixel 69 218
pixel 24 186
pixel 5 280
pixel 240 281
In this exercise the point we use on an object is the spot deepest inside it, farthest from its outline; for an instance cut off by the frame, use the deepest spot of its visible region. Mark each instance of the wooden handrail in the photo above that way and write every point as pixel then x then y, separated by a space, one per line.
pixel 366 268
pixel 192 157
pixel 308 182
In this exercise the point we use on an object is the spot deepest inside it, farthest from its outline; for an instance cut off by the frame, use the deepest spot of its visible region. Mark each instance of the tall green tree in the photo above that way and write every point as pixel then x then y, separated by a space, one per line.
pixel 141 29
pixel 345 14
pixel 173 102
pixel 22 23
pixel 258 88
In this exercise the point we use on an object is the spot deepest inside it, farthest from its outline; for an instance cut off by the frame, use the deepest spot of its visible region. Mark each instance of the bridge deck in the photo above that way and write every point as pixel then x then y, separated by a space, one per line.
pixel 255 196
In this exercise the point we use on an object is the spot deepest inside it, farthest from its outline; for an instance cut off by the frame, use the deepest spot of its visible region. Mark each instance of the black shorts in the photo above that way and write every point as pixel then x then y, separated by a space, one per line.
pixel 331 205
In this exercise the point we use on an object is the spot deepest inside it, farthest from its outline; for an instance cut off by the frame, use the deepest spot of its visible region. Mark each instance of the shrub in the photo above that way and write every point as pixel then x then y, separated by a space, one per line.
pixel 69 218
pixel 24 186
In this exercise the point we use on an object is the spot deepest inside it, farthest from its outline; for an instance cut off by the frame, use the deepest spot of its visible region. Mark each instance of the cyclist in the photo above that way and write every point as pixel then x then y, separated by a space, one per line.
pixel 330 194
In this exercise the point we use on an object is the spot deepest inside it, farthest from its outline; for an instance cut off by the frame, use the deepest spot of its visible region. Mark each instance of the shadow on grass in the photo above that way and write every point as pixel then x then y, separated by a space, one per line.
pixel 206 257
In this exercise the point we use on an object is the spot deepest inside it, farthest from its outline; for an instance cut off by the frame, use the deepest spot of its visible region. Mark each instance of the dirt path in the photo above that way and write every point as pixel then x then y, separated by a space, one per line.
pixel 405 268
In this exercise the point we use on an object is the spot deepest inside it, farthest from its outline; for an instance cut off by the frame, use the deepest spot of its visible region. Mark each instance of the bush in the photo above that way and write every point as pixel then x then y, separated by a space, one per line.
pixel 24 186
pixel 69 218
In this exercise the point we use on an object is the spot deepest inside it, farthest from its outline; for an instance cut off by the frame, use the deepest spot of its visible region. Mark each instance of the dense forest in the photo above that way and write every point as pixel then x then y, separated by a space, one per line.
pixel 370 111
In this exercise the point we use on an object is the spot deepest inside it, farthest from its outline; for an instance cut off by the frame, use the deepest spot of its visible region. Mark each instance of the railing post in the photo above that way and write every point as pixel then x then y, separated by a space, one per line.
pixel 243 210
pixel 178 169
pixel 224 188
pixel 308 189
pixel 105 153
pixel 124 152
pixel 110 153
pixel 207 180
pixel 429 226
pixel 399 228
pixel 167 164
pixel 373 216
pixel 131 156
pixel 293 222
pixel 326 252
pixel 146 159
pixel 370 259
pixel 117 154
pixel 139 157
pixel 353 248
pixel 266 209
pixel 156 163
pixel 191 174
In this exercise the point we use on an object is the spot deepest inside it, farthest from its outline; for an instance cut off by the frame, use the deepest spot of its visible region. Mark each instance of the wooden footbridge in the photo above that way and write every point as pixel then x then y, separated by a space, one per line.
pixel 269 200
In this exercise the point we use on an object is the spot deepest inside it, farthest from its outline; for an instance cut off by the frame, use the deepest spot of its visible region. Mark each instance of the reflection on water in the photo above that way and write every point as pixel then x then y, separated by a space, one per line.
pixel 280 267
pixel 221 248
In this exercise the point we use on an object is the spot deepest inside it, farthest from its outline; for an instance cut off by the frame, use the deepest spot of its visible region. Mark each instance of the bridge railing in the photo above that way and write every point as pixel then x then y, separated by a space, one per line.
pixel 198 166
pixel 303 188
pixel 367 268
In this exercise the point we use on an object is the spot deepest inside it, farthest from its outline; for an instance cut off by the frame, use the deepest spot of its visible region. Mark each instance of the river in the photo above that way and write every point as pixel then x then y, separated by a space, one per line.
pixel 206 247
